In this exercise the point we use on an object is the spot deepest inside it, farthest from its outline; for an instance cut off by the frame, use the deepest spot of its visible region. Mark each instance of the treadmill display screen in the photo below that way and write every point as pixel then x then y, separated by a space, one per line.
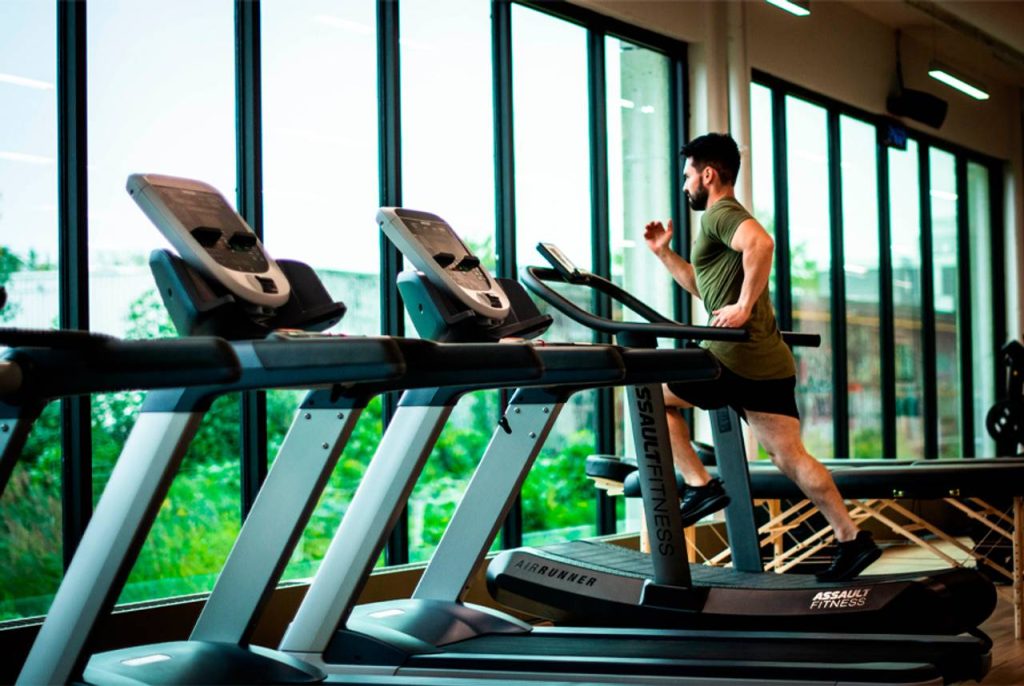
pixel 438 238
pixel 204 211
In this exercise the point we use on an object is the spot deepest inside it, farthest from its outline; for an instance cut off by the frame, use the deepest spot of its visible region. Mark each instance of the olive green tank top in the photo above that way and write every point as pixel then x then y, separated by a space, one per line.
pixel 719 272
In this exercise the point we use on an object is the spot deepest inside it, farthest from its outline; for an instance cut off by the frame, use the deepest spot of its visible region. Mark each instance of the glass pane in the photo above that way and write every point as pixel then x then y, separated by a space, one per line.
pixel 320 194
pixel 762 163
pixel 320 147
pixel 945 270
pixel 810 258
pixel 858 160
pixel 640 161
pixel 552 154
pixel 448 169
pixel 139 122
pixel 983 345
pixel 905 221
pixel 30 509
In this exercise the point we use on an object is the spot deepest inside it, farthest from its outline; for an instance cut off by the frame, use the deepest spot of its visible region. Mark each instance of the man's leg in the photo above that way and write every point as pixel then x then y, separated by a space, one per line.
pixel 780 436
pixel 703 495
pixel 683 454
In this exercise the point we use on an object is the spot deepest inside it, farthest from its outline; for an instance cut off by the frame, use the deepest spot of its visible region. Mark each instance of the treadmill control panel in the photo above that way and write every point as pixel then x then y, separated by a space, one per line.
pixel 431 244
pixel 210 236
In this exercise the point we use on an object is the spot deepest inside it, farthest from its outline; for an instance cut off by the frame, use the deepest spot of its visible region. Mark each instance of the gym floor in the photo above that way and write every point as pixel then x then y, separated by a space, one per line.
pixel 1007 652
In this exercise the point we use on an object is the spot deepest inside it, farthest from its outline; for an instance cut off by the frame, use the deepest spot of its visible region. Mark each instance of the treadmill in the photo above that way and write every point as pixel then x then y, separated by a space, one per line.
pixel 218 649
pixel 632 590
pixel 225 282
pixel 435 634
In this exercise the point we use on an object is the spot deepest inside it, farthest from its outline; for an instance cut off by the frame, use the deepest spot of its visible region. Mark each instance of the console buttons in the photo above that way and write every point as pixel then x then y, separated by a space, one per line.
pixel 206 236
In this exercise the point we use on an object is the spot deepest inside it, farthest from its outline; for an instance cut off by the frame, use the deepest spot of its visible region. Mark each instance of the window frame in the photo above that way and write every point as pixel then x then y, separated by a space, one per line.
pixel 781 88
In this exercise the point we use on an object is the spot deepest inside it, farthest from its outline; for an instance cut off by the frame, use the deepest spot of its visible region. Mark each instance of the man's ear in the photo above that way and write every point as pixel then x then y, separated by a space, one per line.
pixel 708 174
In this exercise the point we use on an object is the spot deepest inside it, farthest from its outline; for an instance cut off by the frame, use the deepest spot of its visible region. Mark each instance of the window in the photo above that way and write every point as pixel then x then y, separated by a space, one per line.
pixel 139 122
pixel 809 263
pixel 319 108
pixel 945 265
pixel 30 509
pixel 552 177
pixel 762 165
pixel 448 169
pixel 905 223
pixel 858 164
pixel 640 166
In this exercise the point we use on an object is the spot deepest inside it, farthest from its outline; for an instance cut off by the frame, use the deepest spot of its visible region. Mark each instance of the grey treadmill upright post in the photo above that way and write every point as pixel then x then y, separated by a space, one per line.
pixel 495 484
pixel 140 477
pixel 304 463
pixel 727 434
pixel 656 473
pixel 375 507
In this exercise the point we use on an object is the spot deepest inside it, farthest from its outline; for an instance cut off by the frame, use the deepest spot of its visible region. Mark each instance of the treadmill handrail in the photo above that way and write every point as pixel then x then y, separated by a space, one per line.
pixel 84 364
pixel 657 324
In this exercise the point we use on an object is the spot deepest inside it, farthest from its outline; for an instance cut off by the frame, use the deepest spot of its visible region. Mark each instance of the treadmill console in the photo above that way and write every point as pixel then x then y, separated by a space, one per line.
pixel 434 249
pixel 210 236
pixel 554 255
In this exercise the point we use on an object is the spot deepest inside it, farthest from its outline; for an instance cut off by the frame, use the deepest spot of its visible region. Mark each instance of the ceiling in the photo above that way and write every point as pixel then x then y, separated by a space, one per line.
pixel 981 37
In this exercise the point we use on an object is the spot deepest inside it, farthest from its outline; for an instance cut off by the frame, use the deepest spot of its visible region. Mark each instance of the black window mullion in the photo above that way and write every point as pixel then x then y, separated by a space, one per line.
pixel 249 175
pixel 505 193
pixel 887 309
pixel 73 256
pixel 931 414
pixel 965 326
pixel 389 119
pixel 783 294
pixel 600 250
pixel 840 397
pixel 678 133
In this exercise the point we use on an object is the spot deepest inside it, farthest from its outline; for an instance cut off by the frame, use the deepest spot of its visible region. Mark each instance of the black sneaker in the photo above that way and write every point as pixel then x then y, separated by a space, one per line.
pixel 853 558
pixel 700 501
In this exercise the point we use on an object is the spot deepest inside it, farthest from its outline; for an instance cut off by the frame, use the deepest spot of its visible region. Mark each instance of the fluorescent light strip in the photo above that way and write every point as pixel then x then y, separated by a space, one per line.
pixel 24 157
pixel 28 83
pixel 791 7
pixel 955 82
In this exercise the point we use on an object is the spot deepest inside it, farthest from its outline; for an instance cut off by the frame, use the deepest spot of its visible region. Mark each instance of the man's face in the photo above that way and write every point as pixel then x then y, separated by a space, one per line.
pixel 696 191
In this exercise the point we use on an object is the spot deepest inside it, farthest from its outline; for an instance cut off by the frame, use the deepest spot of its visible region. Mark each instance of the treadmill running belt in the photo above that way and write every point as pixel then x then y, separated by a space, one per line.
pixel 619 560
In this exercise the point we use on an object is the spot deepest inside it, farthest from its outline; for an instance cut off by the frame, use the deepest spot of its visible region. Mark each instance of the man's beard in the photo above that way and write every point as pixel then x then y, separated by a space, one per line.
pixel 698 202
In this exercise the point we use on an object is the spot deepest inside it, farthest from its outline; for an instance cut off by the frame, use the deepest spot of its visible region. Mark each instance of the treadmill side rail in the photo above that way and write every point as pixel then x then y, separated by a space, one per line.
pixel 293 486
pixel 140 478
pixel 381 495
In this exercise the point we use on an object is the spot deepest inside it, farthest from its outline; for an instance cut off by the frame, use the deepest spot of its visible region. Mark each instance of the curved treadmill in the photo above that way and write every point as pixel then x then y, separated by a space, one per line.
pixel 434 634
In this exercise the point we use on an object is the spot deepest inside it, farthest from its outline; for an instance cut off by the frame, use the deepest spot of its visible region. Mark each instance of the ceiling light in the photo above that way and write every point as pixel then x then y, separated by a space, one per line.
pixel 953 79
pixel 28 83
pixel 800 8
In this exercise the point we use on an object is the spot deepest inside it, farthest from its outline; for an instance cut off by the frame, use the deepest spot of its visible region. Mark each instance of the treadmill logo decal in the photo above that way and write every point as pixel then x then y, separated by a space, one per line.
pixel 552 572
pixel 837 600
pixel 663 532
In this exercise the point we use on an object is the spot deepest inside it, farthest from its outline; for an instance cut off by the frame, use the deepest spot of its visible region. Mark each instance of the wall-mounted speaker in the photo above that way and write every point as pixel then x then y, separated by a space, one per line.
pixel 918 105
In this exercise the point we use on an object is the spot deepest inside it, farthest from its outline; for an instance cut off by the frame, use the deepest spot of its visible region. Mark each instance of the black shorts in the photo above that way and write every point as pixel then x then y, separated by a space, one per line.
pixel 772 396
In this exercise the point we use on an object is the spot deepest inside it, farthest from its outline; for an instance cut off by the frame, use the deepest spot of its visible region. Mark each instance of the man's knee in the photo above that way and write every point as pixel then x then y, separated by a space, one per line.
pixel 672 400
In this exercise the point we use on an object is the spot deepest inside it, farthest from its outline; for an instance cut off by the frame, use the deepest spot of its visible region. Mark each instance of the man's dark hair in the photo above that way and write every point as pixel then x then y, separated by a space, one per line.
pixel 717 150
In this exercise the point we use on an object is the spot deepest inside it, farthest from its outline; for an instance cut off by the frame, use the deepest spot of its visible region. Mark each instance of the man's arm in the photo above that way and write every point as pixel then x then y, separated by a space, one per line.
pixel 659 240
pixel 757 248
